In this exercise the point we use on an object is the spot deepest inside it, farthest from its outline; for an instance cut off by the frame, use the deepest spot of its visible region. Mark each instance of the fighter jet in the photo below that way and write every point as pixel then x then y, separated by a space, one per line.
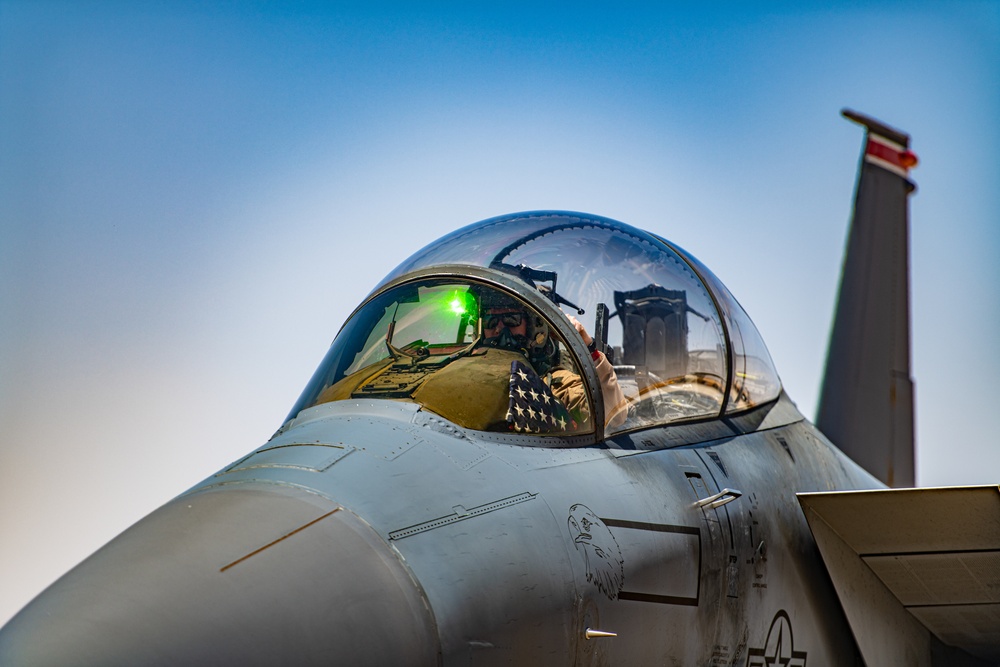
pixel 551 438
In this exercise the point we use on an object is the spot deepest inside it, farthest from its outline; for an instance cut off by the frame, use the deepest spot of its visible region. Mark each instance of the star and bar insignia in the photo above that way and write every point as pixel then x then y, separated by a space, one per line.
pixel 533 408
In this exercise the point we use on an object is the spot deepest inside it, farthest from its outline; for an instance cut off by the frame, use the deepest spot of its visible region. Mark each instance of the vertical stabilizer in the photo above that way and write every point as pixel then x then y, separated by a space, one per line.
pixel 866 402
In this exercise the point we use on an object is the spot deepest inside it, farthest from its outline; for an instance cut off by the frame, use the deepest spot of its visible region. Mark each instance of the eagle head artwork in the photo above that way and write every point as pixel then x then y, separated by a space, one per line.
pixel 603 557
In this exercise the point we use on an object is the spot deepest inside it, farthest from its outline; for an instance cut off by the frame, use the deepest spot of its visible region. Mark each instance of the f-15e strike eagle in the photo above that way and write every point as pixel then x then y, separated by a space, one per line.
pixel 551 438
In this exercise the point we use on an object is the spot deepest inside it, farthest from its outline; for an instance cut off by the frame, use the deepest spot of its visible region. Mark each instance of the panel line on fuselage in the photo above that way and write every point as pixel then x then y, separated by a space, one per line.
pixel 635 596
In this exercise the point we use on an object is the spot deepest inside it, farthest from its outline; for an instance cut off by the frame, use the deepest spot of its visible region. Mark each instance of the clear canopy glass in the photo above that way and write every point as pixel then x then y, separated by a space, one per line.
pixel 680 345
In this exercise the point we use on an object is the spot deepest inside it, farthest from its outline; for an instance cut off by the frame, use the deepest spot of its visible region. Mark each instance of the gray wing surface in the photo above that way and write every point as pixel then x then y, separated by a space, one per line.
pixel 917 570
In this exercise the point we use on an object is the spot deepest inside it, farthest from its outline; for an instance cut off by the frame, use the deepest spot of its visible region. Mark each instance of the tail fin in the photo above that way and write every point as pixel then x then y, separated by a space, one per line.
pixel 866 402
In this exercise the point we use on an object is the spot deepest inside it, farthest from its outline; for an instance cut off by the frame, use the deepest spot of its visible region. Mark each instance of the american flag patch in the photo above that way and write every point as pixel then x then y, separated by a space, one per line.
pixel 533 408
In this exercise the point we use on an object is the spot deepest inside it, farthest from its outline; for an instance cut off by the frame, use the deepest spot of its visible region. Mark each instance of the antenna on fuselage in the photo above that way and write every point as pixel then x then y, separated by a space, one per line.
pixel 866 400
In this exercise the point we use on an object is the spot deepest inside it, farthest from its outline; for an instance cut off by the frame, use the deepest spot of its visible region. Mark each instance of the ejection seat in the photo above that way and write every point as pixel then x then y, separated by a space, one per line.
pixel 654 332
pixel 654 346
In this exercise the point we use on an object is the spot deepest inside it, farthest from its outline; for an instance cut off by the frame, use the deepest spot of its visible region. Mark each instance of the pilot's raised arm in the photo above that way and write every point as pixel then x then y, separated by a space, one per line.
pixel 615 405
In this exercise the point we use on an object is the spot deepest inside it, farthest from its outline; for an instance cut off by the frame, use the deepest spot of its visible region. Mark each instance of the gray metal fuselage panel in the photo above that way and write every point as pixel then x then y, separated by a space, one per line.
pixel 519 550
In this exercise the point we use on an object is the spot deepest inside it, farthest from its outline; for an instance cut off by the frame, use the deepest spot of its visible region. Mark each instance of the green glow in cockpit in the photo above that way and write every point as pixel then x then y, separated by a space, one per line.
pixel 462 304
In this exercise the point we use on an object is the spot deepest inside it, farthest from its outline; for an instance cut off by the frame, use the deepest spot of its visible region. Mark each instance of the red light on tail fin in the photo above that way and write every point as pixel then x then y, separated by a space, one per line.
pixel 889 155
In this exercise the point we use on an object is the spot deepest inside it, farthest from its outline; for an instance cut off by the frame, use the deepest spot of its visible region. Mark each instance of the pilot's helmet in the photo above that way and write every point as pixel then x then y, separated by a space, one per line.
pixel 511 324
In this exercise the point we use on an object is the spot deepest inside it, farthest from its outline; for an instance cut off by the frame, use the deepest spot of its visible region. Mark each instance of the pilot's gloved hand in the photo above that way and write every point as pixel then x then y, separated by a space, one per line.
pixel 587 340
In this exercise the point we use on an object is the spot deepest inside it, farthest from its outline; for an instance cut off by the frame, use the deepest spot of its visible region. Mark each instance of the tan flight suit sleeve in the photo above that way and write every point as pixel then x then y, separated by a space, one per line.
pixel 568 388
pixel 615 405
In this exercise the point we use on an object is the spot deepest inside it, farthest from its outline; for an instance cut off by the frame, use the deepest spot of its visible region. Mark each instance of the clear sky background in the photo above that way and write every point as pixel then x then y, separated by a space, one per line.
pixel 194 196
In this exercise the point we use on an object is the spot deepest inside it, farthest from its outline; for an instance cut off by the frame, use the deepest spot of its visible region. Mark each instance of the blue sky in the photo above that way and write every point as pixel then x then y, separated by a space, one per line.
pixel 193 197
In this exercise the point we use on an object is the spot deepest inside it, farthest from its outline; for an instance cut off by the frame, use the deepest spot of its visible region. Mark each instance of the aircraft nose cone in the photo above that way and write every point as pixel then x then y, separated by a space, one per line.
pixel 248 575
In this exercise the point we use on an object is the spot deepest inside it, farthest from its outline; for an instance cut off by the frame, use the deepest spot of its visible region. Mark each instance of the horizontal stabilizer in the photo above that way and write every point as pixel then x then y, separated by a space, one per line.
pixel 906 562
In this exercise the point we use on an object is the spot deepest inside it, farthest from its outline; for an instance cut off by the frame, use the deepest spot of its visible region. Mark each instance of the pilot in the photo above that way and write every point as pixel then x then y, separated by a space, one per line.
pixel 508 324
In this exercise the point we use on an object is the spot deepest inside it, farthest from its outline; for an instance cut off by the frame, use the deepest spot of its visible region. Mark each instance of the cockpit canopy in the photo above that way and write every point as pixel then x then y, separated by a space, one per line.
pixel 470 347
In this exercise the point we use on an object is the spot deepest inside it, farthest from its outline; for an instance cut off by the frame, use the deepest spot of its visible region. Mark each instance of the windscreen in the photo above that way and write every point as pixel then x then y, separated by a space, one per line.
pixel 475 355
